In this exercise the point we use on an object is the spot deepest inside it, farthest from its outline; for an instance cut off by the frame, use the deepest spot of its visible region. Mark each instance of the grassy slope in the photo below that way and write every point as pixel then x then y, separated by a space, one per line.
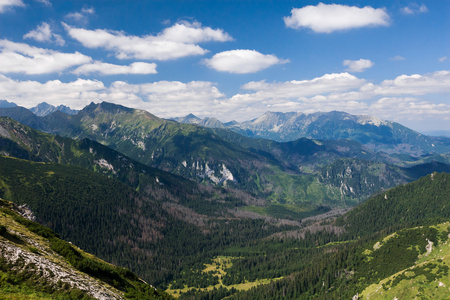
pixel 218 267
pixel 428 278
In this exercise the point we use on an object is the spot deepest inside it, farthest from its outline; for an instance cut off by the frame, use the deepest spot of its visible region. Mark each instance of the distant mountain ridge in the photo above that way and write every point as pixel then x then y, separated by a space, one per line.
pixel 6 104
pixel 442 133
pixel 43 109
pixel 373 132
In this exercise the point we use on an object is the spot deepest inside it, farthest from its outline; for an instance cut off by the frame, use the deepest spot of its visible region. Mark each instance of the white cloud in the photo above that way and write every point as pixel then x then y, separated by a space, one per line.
pixel 414 9
pixel 397 58
pixel 4 4
pixel 193 32
pixel 404 99
pixel 88 10
pixel 45 2
pixel 326 18
pixel 43 33
pixel 358 65
pixel 163 98
pixel 404 108
pixel 81 17
pixel 242 61
pixel 345 92
pixel 416 84
pixel 76 94
pixel 325 84
pixel 403 85
pixel 442 59
pixel 177 41
pixel 111 69
pixel 22 58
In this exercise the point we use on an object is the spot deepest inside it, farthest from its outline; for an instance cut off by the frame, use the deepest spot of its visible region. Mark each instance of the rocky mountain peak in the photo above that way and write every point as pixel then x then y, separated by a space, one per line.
pixel 43 109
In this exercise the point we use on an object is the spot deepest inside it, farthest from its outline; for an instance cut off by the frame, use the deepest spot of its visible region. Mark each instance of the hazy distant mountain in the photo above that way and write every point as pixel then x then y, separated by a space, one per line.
pixel 374 133
pixel 43 109
pixel 6 104
pixel 445 133
pixel 189 119
pixel 206 122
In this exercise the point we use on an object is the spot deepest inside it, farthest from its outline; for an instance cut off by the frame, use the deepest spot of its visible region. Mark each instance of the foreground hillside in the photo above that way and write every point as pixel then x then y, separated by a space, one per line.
pixel 36 264
pixel 428 278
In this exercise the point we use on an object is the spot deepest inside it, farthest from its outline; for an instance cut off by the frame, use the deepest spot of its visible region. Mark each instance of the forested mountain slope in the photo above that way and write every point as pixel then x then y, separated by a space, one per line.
pixel 21 141
pixel 113 221
pixel 36 264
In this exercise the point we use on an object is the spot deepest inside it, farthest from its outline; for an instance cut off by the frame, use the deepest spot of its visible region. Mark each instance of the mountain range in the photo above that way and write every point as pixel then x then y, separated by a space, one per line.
pixel 208 213
pixel 372 132
pixel 290 172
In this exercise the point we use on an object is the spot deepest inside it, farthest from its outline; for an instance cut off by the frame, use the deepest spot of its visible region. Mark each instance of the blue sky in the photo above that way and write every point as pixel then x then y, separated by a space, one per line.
pixel 232 59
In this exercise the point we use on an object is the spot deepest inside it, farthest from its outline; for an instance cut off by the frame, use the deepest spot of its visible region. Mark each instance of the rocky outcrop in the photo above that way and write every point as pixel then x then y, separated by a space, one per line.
pixel 51 271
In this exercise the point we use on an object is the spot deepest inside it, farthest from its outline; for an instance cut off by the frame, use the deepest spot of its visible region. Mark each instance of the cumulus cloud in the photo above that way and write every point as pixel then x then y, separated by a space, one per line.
pixel 163 98
pixel 43 33
pixel 242 61
pixel 407 108
pixel 177 41
pixel 326 18
pixel 5 4
pixel 111 69
pixel 22 58
pixel 348 93
pixel 357 65
pixel 301 88
pixel 415 84
pixel 414 9
pixel 404 98
pixel 76 94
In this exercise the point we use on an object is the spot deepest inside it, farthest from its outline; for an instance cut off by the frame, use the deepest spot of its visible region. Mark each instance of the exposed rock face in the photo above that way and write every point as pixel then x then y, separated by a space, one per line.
pixel 52 271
